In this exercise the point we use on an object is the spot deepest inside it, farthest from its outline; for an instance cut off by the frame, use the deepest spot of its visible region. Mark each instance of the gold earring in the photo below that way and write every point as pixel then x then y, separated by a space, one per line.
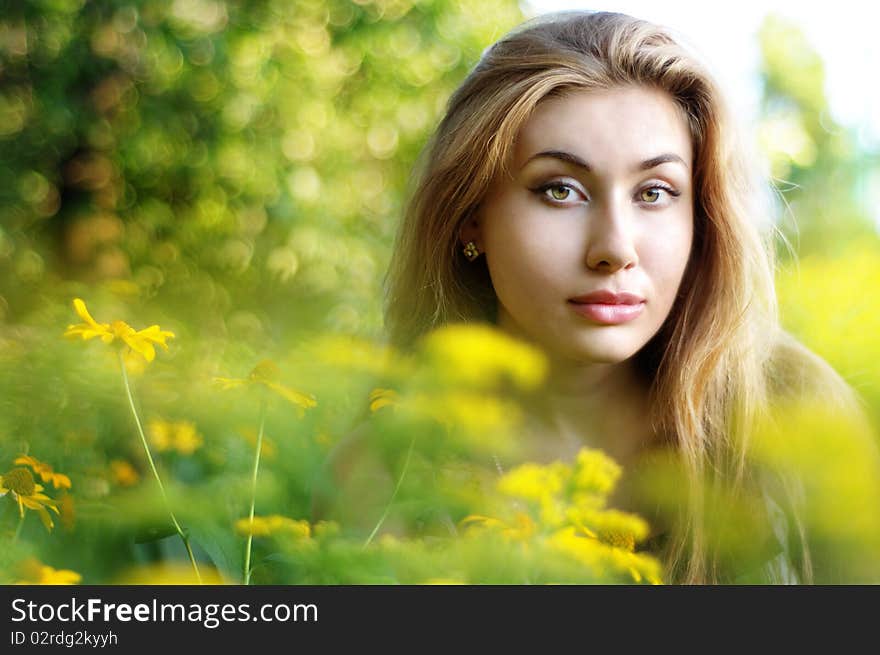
pixel 470 251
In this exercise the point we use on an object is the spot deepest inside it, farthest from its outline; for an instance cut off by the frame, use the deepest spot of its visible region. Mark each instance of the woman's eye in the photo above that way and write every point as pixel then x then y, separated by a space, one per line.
pixel 557 192
pixel 654 194
pixel 560 192
pixel 650 195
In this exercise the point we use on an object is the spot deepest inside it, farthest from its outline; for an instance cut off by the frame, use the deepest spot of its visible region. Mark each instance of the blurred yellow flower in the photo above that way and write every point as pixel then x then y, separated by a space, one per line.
pixel 46 472
pixel 476 412
pixel 623 540
pixel 380 398
pixel 595 472
pixel 266 374
pixel 168 573
pixel 535 482
pixel 274 525
pixel 482 356
pixel 27 493
pixel 139 341
pixel 562 507
pixel 180 436
pixel 601 557
pixel 123 474
pixel 610 526
pixel 520 528
pixel 34 572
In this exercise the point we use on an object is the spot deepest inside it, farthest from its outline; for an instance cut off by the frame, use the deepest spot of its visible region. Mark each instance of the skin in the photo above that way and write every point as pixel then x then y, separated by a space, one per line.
pixel 552 230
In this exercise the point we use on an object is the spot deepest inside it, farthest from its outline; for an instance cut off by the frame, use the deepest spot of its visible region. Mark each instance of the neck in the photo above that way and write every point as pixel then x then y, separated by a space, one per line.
pixel 592 405
pixel 588 404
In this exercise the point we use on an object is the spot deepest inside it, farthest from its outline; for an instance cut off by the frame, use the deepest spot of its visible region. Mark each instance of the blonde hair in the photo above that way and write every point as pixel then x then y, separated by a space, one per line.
pixel 712 363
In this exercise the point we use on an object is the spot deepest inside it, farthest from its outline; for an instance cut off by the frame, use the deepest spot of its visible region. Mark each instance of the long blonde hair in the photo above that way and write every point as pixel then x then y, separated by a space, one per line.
pixel 711 364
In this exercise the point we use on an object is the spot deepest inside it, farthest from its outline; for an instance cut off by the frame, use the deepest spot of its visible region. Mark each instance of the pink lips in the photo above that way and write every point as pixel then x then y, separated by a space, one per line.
pixel 607 307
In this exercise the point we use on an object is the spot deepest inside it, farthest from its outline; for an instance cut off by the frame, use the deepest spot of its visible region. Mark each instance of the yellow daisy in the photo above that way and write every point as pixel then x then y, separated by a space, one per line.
pixel 139 341
pixel 46 472
pixel 27 493
pixel 266 374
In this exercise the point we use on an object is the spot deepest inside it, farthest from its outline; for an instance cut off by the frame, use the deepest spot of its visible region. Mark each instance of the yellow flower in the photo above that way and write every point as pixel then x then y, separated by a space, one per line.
pixel 27 493
pixel 160 434
pixel 611 526
pixel 601 557
pixel 274 525
pixel 380 398
pixel 46 472
pixel 139 341
pixel 187 440
pixel 181 436
pixel 168 573
pixel 595 472
pixel 266 374
pixel 33 571
pixel 521 528
pixel 535 482
pixel 483 356
pixel 123 473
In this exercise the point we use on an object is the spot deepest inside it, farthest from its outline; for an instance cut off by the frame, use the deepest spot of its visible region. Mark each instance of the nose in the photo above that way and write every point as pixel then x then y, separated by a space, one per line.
pixel 610 243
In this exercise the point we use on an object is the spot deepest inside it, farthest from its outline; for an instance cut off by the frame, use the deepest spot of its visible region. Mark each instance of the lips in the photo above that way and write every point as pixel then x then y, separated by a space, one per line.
pixel 607 307
pixel 606 297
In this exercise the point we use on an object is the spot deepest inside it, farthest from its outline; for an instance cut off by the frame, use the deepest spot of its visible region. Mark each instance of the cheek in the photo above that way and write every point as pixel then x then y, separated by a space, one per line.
pixel 664 257
pixel 526 255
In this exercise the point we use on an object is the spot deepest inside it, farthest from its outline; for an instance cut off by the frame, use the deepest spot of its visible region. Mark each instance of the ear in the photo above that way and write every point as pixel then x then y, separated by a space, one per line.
pixel 470 231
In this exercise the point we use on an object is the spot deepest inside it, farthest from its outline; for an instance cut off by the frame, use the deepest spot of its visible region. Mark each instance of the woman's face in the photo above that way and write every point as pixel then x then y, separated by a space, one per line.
pixel 599 197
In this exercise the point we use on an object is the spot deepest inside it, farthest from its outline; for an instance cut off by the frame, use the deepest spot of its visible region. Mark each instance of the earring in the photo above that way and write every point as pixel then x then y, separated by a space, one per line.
pixel 470 251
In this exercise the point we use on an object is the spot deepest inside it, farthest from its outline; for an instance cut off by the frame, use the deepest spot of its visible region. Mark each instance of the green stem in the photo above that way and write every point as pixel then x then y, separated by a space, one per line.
pixel 146 446
pixel 393 495
pixel 250 537
pixel 18 529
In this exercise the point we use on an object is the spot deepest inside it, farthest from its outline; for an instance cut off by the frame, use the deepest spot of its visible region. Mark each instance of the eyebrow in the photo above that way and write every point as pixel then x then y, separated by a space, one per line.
pixel 653 162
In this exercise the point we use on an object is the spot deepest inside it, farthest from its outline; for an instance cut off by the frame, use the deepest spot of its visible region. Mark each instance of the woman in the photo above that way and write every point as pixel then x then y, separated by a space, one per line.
pixel 585 192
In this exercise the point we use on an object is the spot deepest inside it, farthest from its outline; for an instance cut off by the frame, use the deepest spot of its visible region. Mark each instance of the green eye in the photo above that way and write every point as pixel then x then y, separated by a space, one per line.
pixel 560 192
pixel 651 194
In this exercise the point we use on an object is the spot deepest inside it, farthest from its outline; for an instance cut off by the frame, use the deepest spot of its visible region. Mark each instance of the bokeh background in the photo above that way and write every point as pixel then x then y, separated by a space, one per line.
pixel 235 171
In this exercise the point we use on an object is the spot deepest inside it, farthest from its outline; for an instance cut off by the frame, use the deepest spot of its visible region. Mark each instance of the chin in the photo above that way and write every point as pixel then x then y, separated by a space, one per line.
pixel 592 352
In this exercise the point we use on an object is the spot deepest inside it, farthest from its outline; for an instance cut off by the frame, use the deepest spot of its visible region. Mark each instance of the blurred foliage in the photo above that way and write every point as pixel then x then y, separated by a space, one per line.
pixel 827 183
pixel 214 157
pixel 826 180
pixel 234 172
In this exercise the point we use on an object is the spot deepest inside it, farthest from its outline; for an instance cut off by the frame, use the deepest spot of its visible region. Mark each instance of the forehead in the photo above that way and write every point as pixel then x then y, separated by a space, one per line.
pixel 608 127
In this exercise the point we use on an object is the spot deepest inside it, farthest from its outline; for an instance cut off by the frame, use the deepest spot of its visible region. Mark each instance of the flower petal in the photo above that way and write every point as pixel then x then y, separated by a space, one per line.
pixel 27 460
pixel 139 345
pixel 296 397
pixel 229 383
pixel 80 308
pixel 157 335
pixel 45 518
pixel 60 481
pixel 86 332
